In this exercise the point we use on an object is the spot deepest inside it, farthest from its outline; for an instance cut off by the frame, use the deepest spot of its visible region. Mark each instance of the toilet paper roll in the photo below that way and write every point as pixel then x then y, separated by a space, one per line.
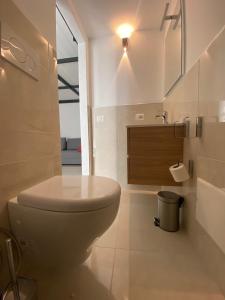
pixel 179 172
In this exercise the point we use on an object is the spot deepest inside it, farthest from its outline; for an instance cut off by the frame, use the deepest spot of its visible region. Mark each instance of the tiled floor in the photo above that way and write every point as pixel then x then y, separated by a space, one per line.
pixel 136 261
pixel 71 170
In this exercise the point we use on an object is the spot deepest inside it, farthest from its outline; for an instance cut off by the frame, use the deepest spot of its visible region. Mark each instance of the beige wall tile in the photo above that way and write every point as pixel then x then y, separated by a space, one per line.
pixel 183 101
pixel 212 73
pixel 212 143
pixel 18 176
pixel 212 171
pixel 22 146
pixel 105 142
pixel 211 255
pixel 29 117
pixel 31 104
pixel 201 92
pixel 10 14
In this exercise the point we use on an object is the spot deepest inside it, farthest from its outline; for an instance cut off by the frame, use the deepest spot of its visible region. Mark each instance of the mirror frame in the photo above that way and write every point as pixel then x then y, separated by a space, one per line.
pixel 183 49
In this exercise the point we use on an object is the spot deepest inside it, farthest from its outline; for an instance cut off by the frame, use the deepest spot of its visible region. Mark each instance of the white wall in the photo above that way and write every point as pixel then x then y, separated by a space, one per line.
pixel 133 79
pixel 204 19
pixel 42 15
pixel 69 120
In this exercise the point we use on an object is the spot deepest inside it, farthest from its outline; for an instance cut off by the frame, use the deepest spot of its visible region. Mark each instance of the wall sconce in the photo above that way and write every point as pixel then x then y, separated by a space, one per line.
pixel 125 31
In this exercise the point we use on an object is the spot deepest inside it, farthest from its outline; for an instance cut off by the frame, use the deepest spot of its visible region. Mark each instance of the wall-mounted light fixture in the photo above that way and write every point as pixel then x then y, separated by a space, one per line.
pixel 125 31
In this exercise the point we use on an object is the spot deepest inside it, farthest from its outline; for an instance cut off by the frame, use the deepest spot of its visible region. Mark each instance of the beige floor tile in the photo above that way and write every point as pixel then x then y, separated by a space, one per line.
pixel 92 280
pixel 148 294
pixel 125 197
pixel 140 275
pixel 136 230
pixel 166 267
pixel 101 264
pixel 108 239
pixel 121 279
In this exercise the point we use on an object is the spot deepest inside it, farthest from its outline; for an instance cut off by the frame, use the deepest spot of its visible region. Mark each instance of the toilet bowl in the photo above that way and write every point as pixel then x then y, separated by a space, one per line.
pixel 58 220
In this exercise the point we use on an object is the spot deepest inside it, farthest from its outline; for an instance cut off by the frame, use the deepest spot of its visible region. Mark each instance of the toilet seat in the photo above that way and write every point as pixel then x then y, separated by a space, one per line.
pixel 71 194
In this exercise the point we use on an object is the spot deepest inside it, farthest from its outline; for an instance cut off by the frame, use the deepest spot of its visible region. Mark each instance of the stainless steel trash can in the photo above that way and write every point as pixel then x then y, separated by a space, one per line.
pixel 169 204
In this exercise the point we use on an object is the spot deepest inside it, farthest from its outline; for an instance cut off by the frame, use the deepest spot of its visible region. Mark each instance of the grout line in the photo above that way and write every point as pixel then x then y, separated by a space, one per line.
pixel 32 158
pixel 141 192
pixel 105 247
pixel 210 158
pixel 113 269
pixel 115 249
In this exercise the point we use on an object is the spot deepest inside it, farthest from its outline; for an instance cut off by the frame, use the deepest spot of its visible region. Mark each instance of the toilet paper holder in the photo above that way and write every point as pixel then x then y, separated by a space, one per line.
pixel 190 167
pixel 189 172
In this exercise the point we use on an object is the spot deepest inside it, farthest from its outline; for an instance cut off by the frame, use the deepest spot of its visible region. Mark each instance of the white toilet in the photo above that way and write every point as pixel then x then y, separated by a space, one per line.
pixel 58 220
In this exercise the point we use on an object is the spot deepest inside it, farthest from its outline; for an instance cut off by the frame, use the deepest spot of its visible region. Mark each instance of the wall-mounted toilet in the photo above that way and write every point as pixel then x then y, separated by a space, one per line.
pixel 58 220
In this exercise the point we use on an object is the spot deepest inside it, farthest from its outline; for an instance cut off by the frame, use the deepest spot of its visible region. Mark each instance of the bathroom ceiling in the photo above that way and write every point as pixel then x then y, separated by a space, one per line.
pixel 102 17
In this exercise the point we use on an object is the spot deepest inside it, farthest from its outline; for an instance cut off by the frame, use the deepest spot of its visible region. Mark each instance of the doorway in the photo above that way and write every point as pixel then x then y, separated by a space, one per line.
pixel 75 110
pixel 68 90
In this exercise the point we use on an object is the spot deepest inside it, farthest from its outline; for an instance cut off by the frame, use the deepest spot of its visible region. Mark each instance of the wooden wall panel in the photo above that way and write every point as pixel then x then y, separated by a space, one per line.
pixel 151 151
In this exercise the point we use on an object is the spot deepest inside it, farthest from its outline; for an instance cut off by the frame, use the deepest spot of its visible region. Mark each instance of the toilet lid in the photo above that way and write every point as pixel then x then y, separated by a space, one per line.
pixel 71 194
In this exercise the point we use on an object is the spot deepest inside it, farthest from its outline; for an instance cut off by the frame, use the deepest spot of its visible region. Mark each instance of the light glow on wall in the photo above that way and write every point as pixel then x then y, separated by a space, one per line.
pixel 125 31
pixel 2 70
pixel 221 111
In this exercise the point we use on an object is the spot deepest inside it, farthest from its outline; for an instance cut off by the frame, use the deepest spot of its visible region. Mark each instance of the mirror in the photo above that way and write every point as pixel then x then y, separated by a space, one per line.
pixel 174 46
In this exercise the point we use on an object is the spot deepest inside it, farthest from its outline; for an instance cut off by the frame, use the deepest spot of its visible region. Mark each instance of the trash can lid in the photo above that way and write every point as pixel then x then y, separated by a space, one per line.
pixel 169 197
